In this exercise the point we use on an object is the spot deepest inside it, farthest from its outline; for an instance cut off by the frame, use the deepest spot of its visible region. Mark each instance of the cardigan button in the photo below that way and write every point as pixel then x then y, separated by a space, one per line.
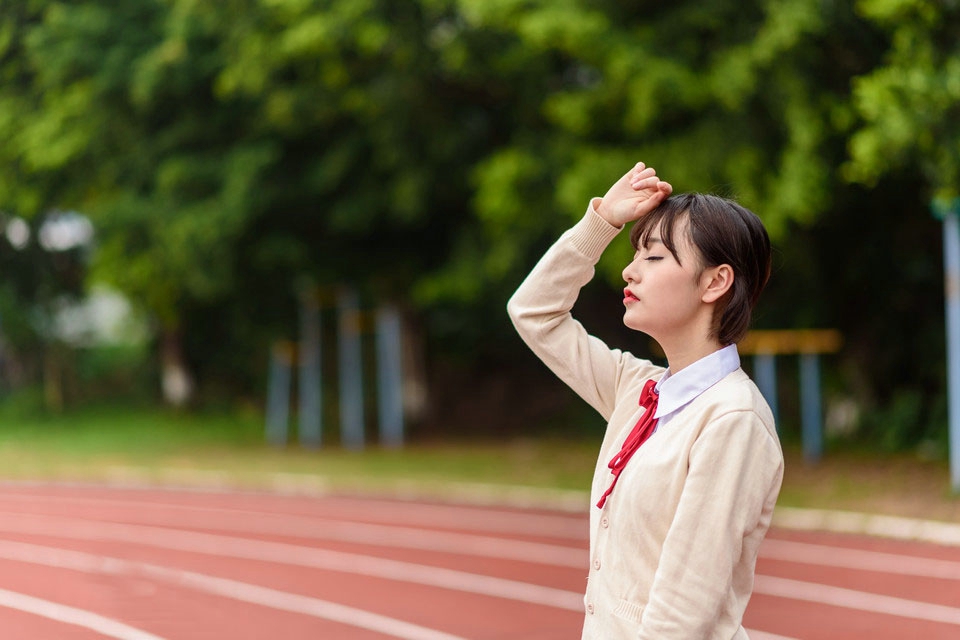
pixel 604 522
pixel 596 564
pixel 590 608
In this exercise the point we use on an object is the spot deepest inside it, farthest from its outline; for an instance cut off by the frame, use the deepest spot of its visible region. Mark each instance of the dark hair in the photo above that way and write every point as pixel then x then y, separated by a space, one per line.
pixel 723 232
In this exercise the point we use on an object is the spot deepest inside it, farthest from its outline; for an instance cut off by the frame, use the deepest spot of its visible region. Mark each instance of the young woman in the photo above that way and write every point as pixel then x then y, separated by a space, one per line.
pixel 690 465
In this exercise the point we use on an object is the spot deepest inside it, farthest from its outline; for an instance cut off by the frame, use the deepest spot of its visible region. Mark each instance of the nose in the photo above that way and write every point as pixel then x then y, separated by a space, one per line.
pixel 631 273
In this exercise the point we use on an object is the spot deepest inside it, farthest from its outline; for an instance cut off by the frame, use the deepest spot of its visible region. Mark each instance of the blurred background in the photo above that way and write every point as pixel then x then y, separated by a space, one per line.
pixel 246 225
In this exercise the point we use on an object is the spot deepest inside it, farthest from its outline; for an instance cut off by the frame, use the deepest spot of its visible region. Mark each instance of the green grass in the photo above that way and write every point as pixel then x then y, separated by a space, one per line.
pixel 151 445
pixel 97 444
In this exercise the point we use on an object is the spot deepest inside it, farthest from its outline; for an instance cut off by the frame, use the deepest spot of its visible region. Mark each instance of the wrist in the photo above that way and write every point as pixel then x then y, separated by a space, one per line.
pixel 597 205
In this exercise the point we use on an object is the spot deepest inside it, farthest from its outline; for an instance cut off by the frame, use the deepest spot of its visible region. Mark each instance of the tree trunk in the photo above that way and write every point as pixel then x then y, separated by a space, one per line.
pixel 416 396
pixel 176 381
pixel 52 379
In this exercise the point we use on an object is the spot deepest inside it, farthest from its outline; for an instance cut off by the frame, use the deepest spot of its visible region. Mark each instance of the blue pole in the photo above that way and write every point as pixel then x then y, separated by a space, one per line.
pixel 278 394
pixel 765 375
pixel 811 419
pixel 951 265
pixel 351 370
pixel 389 377
pixel 310 411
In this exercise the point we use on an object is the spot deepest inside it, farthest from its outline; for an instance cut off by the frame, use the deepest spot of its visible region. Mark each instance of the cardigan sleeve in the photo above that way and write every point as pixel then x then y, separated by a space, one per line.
pixel 541 313
pixel 734 476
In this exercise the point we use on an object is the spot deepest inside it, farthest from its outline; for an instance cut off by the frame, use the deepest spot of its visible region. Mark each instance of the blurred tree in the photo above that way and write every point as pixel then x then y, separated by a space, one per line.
pixel 720 96
pixel 908 107
pixel 113 114
pixel 744 99
pixel 907 131
pixel 229 151
pixel 38 284
pixel 426 151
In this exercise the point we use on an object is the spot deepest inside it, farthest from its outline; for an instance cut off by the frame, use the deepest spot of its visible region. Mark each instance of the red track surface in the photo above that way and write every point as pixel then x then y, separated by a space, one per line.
pixel 82 562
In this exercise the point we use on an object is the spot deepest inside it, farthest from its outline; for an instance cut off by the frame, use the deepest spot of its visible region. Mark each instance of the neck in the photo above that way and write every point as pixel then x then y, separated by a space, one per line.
pixel 683 357
pixel 684 349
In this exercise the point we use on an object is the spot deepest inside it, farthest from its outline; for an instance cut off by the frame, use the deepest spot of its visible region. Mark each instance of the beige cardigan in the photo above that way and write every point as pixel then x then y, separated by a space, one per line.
pixel 673 551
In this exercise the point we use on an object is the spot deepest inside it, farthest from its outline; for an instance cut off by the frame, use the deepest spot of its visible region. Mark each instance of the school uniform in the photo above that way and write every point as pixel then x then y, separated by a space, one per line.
pixel 674 546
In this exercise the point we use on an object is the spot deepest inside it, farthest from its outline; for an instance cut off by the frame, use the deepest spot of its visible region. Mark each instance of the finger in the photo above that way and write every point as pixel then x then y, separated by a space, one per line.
pixel 665 187
pixel 642 172
pixel 646 183
pixel 646 174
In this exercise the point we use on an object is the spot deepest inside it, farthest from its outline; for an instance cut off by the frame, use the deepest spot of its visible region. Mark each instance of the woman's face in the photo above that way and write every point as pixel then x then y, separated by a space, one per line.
pixel 663 297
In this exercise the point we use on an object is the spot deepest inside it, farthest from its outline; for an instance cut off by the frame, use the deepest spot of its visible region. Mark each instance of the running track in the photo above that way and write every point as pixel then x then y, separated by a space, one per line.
pixel 79 562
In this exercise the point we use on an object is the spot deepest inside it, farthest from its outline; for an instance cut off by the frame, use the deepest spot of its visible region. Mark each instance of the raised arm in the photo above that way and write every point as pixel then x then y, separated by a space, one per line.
pixel 541 307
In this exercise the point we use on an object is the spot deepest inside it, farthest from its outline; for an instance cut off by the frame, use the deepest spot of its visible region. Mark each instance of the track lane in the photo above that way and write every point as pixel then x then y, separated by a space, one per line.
pixel 346 598
pixel 491 521
pixel 428 536
pixel 817 621
pixel 22 624
pixel 71 622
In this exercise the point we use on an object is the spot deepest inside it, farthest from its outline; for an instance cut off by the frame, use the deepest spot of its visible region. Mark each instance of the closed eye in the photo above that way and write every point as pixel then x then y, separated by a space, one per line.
pixel 652 258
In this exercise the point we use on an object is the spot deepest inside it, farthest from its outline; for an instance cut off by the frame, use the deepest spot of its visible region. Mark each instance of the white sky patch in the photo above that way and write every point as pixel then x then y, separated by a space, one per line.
pixel 65 231
pixel 104 317
pixel 18 233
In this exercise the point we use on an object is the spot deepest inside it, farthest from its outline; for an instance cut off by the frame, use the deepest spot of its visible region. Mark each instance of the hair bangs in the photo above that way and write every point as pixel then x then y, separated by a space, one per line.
pixel 664 218
pixel 721 231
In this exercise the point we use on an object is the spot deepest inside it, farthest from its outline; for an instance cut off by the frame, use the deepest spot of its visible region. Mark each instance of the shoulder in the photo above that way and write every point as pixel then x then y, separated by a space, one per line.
pixel 737 392
pixel 736 399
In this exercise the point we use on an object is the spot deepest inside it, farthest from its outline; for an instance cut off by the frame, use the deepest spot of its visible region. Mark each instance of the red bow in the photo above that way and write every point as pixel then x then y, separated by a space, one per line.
pixel 641 431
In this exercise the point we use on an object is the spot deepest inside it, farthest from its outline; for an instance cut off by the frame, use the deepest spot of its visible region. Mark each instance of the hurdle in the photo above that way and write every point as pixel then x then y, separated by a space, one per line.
pixel 809 345
pixel 302 359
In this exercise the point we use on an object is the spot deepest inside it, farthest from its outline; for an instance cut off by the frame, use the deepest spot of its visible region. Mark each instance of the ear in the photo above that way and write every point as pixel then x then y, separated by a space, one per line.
pixel 716 281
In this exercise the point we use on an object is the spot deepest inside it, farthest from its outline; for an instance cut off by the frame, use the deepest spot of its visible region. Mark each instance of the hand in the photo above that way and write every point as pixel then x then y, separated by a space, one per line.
pixel 633 196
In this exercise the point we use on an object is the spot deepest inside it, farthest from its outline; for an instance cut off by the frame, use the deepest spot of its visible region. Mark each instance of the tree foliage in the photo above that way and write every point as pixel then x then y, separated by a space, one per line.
pixel 426 151
pixel 721 97
pixel 909 105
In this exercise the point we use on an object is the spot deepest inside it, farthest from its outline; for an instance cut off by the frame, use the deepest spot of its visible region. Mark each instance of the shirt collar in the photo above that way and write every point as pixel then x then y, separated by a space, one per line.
pixel 679 389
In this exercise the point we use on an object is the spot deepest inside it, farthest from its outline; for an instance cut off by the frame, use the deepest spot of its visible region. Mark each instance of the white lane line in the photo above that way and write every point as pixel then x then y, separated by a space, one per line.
pixel 893 527
pixel 296 603
pixel 555 555
pixel 254 594
pixel 859 600
pixel 859 559
pixel 896 527
pixel 282 553
pixel 90 563
pixel 253 522
pixel 248 522
pixel 882 600
pixel 763 635
pixel 73 616
pixel 383 511
pixel 421 539
pixel 434 576
pixel 396 537
pixel 210 481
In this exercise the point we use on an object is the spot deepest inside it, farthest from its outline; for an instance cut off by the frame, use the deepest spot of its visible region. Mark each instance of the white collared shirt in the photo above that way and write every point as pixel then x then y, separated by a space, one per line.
pixel 680 389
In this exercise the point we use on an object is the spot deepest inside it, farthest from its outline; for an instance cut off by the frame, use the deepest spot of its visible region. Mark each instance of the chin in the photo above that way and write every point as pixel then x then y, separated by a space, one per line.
pixel 640 326
pixel 631 323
